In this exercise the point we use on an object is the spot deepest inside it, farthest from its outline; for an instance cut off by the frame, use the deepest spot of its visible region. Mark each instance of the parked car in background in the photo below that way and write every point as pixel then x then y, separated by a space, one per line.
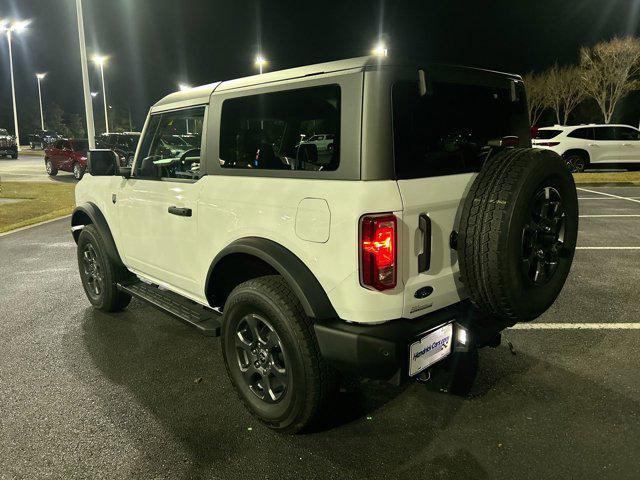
pixel 323 142
pixel 8 146
pixel 41 139
pixel 124 144
pixel 67 155
pixel 593 146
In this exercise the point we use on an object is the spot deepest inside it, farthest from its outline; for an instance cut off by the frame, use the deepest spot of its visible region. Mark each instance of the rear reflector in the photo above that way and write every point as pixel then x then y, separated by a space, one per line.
pixel 378 255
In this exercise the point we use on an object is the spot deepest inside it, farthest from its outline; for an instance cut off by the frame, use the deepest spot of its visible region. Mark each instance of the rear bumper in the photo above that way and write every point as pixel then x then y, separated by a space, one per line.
pixel 382 351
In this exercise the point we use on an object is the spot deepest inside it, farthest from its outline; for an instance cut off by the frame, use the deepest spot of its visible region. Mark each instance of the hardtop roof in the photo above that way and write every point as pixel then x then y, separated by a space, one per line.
pixel 200 95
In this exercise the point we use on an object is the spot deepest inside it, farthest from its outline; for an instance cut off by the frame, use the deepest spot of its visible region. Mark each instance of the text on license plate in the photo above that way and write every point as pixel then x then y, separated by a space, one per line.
pixel 429 349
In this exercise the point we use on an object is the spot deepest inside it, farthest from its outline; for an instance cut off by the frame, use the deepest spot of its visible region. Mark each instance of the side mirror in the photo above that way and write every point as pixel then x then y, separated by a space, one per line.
pixel 103 163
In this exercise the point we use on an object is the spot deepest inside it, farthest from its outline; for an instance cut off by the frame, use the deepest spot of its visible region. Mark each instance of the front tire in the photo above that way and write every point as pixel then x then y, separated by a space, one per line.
pixel 51 170
pixel 272 356
pixel 577 163
pixel 78 171
pixel 99 273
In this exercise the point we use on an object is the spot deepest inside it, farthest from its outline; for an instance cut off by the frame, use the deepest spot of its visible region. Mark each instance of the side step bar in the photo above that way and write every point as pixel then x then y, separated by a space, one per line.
pixel 205 320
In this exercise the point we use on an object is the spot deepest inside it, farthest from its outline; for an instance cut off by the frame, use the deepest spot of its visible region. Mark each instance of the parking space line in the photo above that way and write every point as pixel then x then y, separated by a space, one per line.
pixel 607 248
pixel 608 216
pixel 609 195
pixel 576 326
pixel 605 198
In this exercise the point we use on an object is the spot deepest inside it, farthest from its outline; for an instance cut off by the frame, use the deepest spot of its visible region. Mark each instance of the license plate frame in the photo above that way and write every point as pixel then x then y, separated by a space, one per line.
pixel 433 346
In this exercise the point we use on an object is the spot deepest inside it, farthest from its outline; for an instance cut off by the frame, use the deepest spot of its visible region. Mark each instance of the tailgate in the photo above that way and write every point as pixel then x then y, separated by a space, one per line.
pixel 438 200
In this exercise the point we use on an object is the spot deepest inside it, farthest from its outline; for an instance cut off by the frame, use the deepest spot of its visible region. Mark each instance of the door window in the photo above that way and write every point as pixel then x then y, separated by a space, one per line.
pixel 171 145
pixel 281 130
pixel 583 133
pixel 604 133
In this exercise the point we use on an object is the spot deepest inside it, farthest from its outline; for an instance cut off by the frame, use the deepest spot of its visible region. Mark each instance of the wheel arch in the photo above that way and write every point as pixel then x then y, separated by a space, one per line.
pixel 252 257
pixel 89 214
pixel 579 151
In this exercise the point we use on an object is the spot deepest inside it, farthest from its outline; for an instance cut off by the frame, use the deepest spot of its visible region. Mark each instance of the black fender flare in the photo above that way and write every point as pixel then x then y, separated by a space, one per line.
pixel 90 210
pixel 300 279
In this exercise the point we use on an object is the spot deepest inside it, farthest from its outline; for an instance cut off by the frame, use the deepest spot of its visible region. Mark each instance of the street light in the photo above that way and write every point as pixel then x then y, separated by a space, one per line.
pixel 100 60
pixel 94 94
pixel 11 26
pixel 40 76
pixel 260 62
pixel 380 50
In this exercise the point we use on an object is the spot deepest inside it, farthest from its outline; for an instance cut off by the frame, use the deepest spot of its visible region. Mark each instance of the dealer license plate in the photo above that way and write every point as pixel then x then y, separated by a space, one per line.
pixel 430 349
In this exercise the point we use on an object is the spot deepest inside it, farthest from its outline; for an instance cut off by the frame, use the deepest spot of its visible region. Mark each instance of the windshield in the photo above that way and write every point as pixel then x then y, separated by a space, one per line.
pixel 450 129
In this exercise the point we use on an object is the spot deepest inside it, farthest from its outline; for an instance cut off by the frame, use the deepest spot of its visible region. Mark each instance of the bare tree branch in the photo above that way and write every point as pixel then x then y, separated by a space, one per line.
pixel 536 96
pixel 610 71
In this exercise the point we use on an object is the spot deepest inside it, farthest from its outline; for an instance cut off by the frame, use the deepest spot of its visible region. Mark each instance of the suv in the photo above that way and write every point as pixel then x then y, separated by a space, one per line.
pixel 417 240
pixel 593 146
pixel 67 155
pixel 42 139
pixel 8 145
pixel 124 144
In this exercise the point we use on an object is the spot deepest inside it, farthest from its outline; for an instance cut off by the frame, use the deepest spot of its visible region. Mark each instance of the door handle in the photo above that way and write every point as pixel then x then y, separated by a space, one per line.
pixel 424 259
pixel 180 211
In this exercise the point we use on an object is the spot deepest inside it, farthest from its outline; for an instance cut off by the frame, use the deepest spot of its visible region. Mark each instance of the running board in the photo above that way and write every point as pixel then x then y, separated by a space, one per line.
pixel 205 320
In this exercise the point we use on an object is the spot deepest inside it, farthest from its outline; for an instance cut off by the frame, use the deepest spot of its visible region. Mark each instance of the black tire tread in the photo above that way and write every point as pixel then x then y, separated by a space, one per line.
pixel 115 300
pixel 323 378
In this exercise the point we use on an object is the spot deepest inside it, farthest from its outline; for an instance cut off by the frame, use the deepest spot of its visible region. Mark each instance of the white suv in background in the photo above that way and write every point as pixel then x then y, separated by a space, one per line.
pixel 593 146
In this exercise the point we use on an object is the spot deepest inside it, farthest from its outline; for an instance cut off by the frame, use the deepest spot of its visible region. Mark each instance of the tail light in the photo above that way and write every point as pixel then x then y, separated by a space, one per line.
pixel 547 144
pixel 378 254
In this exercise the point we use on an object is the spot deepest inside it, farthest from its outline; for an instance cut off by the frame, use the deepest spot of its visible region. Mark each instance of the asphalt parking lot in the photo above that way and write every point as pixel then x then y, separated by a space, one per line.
pixel 139 395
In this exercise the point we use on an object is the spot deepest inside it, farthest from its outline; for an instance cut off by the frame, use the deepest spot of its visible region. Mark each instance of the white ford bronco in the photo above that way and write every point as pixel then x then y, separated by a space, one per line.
pixel 428 227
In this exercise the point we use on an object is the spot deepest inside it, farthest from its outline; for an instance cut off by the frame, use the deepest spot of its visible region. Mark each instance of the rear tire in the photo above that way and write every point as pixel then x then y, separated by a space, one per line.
pixel 518 233
pixel 576 162
pixel 272 357
pixel 99 273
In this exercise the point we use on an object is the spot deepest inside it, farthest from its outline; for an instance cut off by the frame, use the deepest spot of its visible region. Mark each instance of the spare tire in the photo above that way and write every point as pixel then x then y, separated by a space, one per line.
pixel 517 234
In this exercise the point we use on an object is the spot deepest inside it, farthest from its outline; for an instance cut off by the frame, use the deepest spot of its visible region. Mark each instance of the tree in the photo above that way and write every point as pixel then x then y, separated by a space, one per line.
pixel 536 96
pixel 553 82
pixel 610 71
pixel 55 119
pixel 76 125
pixel 571 91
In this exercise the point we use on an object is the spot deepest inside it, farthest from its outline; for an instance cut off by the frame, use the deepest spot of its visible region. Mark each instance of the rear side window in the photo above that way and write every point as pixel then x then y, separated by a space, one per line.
pixel 583 133
pixel 282 130
pixel 624 133
pixel 449 130
pixel 547 134
pixel 604 133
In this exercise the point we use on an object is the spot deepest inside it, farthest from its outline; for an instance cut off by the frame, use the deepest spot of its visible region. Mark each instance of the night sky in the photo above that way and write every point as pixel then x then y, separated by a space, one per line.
pixel 155 44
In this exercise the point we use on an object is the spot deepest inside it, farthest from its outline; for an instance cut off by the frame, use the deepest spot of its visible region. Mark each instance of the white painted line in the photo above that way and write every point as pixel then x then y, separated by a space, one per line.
pixel 33 226
pixel 609 195
pixel 605 198
pixel 576 326
pixel 607 248
pixel 606 216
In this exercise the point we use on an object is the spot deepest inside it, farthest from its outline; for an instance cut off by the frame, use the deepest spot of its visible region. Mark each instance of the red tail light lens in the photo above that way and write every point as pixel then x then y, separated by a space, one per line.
pixel 378 254
pixel 547 144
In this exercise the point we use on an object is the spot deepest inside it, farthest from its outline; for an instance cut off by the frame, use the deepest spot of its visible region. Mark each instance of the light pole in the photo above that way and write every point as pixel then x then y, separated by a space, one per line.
pixel 260 62
pixel 88 106
pixel 100 61
pixel 40 76
pixel 10 27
